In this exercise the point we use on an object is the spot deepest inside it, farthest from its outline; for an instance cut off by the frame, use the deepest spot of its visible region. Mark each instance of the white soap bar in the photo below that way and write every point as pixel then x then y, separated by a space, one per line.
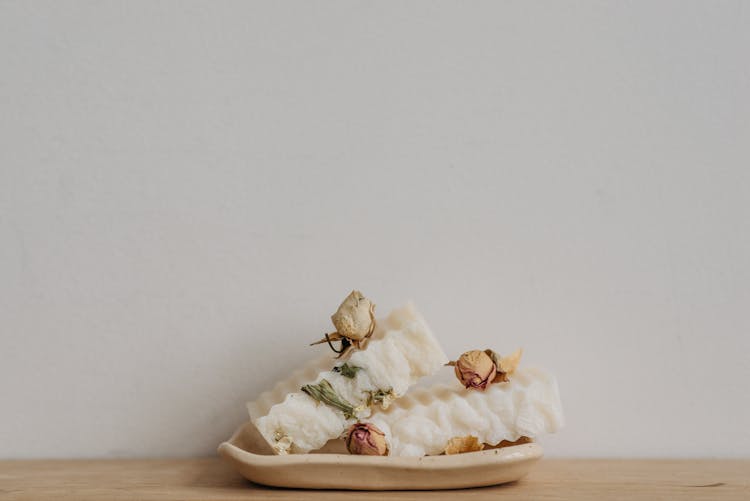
pixel 422 422
pixel 401 351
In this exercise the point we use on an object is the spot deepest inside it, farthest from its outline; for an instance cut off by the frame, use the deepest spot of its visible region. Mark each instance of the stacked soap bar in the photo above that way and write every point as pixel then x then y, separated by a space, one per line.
pixel 425 420
pixel 321 401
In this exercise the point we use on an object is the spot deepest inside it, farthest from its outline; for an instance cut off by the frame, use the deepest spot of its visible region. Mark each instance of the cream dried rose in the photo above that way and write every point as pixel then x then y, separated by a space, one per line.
pixel 354 321
pixel 355 317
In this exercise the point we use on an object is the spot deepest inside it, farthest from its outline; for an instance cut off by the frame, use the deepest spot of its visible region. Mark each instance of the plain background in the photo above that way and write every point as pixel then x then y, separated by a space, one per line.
pixel 188 190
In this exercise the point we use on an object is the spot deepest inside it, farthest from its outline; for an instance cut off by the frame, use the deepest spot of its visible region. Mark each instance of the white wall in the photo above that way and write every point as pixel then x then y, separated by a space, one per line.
pixel 188 189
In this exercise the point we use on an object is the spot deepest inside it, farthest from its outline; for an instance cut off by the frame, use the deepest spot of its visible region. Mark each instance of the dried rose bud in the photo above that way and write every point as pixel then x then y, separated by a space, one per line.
pixel 475 369
pixel 366 439
pixel 354 321
pixel 355 318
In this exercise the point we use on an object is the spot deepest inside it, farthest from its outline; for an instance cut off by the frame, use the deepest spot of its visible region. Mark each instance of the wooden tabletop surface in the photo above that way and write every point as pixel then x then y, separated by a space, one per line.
pixel 211 479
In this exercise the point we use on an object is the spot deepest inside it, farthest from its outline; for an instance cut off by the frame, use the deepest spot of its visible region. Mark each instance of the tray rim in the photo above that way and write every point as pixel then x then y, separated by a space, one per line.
pixel 521 457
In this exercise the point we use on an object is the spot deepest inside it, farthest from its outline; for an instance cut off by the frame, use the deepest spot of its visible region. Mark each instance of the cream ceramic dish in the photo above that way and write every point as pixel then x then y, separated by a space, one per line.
pixel 249 453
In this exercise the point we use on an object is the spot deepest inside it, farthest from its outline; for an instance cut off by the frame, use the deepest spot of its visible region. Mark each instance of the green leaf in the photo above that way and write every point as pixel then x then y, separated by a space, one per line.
pixel 347 370
pixel 323 392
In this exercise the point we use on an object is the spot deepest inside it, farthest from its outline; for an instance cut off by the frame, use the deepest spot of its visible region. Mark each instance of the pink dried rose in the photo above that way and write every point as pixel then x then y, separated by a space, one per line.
pixel 366 439
pixel 475 369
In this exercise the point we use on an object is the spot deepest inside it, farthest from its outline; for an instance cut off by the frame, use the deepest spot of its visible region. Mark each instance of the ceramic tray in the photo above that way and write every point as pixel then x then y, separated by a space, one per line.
pixel 329 468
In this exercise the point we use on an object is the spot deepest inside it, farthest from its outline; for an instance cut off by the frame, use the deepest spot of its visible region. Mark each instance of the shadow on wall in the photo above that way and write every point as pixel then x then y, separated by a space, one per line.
pixel 205 406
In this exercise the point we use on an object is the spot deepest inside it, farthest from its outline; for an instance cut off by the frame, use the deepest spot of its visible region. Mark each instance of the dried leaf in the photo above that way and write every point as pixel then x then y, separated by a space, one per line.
pixel 458 445
pixel 382 397
pixel 324 392
pixel 506 366
pixel 283 442
pixel 510 363
pixel 347 370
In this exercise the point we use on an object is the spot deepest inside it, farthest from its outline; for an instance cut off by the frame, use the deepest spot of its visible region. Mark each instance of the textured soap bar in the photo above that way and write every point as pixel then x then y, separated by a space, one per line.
pixel 422 422
pixel 401 351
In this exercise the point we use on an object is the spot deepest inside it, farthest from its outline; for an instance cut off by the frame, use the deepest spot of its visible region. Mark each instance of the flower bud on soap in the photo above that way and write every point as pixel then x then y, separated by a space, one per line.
pixel 366 439
pixel 355 317
pixel 475 369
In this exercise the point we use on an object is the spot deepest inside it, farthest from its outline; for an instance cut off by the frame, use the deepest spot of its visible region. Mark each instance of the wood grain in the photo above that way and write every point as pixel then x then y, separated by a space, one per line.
pixel 211 479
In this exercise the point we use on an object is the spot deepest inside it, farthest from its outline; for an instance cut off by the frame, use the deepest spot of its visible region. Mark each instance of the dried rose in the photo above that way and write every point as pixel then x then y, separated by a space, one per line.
pixel 354 321
pixel 475 369
pixel 366 439
pixel 355 317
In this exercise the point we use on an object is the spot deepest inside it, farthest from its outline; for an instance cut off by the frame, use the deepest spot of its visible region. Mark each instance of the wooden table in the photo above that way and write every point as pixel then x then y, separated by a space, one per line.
pixel 211 479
